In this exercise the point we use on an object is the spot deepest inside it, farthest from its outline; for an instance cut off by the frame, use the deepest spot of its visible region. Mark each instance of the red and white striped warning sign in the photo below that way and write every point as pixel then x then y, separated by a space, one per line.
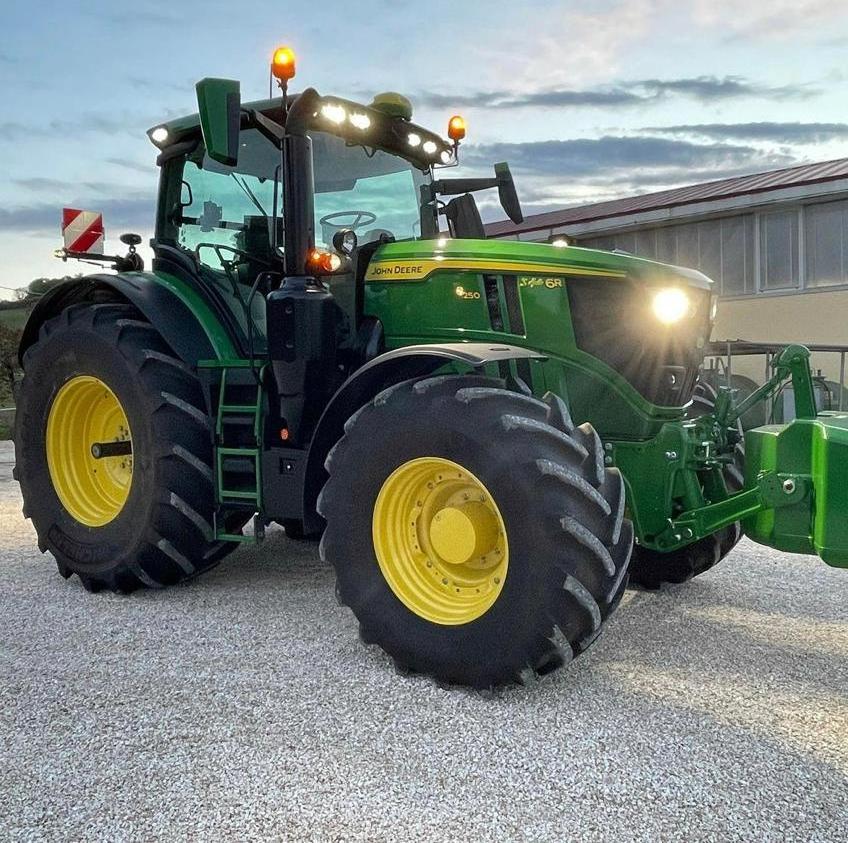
pixel 83 231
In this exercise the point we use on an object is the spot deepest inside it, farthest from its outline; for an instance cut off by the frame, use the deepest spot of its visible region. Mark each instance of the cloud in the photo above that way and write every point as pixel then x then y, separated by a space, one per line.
pixel 136 17
pixel 159 86
pixel 127 213
pixel 788 133
pixel 56 186
pixel 711 88
pixel 129 164
pixel 554 174
pixel 104 123
pixel 597 98
pixel 88 123
pixel 592 157
pixel 40 183
pixel 571 43
pixel 768 18
pixel 639 92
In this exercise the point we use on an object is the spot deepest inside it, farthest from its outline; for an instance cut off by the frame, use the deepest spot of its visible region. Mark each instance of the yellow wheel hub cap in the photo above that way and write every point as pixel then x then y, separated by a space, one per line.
pixel 440 541
pixel 86 413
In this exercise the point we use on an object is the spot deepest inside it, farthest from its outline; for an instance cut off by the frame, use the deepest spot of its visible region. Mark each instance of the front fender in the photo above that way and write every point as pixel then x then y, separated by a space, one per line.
pixel 178 311
pixel 392 367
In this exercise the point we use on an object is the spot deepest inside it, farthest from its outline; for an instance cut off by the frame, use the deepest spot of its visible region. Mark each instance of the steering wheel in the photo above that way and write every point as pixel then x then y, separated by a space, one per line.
pixel 361 219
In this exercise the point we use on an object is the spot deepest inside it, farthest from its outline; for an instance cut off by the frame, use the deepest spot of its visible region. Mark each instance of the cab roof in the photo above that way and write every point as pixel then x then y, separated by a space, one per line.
pixel 397 135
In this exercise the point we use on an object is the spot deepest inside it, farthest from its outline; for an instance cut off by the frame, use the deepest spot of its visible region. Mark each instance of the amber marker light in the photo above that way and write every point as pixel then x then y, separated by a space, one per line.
pixel 323 263
pixel 283 64
pixel 456 128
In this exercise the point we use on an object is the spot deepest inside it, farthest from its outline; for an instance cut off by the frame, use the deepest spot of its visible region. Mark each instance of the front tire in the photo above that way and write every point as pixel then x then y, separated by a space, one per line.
pixel 98 372
pixel 523 589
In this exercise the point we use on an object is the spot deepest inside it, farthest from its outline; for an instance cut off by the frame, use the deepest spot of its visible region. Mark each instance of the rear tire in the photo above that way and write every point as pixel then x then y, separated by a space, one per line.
pixel 652 569
pixel 562 513
pixel 162 534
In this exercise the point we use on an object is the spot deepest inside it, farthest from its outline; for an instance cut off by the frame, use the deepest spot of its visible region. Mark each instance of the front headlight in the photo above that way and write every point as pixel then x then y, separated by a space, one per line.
pixel 671 305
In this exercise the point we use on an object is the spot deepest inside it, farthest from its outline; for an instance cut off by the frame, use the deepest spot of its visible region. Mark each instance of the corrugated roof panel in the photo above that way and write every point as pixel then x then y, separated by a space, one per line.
pixel 721 189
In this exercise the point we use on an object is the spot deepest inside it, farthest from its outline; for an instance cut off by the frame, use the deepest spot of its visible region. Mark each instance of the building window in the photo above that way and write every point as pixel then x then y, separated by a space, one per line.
pixel 709 250
pixel 667 244
pixel 687 246
pixel 626 242
pixel 826 244
pixel 779 264
pixel 737 255
pixel 799 248
pixel 604 243
pixel 723 249
pixel 646 244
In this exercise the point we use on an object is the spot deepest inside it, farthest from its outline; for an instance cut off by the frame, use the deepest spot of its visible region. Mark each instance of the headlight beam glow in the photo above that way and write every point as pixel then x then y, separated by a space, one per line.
pixel 670 305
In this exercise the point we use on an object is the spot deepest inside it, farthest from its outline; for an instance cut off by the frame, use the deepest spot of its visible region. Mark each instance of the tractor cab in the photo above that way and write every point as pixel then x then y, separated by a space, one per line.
pixel 302 185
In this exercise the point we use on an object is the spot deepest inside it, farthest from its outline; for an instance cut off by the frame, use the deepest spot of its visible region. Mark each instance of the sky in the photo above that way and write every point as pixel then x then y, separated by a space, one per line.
pixel 586 100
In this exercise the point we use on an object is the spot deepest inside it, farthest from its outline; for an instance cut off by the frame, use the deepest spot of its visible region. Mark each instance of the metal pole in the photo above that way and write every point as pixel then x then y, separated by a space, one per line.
pixel 729 363
pixel 770 402
pixel 841 377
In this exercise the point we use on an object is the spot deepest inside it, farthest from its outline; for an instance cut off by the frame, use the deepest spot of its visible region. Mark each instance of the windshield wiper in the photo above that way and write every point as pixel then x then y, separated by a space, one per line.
pixel 250 195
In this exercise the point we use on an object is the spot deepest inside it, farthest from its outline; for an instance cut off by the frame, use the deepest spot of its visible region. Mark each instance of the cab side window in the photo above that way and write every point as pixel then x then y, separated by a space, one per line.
pixel 230 206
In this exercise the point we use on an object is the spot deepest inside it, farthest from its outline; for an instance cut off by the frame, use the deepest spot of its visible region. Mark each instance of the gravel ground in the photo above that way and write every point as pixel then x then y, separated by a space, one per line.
pixel 242 706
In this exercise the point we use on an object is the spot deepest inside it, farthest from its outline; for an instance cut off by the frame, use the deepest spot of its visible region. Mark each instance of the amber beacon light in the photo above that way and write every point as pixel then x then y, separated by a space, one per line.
pixel 456 128
pixel 283 64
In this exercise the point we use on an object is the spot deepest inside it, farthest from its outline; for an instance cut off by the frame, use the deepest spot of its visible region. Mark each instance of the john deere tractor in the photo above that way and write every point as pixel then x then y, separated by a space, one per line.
pixel 477 429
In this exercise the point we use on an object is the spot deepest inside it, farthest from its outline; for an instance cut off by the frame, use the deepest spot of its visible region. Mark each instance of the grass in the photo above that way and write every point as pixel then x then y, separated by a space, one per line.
pixel 11 319
pixel 14 318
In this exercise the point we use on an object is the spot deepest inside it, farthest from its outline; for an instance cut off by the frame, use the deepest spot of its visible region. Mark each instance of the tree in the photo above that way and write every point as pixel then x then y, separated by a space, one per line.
pixel 9 340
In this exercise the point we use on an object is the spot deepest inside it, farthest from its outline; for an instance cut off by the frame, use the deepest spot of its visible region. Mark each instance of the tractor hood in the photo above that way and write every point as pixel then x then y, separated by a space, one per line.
pixel 415 260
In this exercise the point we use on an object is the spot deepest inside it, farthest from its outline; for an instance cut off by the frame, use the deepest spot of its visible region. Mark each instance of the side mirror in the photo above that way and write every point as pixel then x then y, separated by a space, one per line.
pixel 464 218
pixel 345 241
pixel 219 106
pixel 507 193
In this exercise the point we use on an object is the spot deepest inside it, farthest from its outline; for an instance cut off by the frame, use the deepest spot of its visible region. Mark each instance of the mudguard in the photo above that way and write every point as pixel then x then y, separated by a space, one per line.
pixel 180 314
pixel 392 367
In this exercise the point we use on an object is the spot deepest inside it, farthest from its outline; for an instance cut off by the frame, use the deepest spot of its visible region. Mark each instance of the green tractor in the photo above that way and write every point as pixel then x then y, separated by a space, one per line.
pixel 490 437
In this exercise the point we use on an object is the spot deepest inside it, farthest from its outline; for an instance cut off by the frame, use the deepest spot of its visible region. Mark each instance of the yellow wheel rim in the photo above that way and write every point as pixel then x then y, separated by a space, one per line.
pixel 85 413
pixel 440 541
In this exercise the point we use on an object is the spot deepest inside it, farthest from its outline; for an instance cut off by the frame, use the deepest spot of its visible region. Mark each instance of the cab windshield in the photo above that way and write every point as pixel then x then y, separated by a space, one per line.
pixel 370 191
pixel 367 190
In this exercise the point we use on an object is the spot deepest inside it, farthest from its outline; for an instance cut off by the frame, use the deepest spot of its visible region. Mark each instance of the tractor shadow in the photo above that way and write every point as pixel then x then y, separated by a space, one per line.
pixel 734 622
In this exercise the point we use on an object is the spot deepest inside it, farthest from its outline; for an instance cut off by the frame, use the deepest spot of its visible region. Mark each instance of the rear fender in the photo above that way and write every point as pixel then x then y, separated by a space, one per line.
pixel 390 368
pixel 183 318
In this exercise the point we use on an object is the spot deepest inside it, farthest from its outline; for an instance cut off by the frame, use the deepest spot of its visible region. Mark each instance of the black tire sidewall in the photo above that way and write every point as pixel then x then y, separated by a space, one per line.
pixel 58 358
pixel 503 638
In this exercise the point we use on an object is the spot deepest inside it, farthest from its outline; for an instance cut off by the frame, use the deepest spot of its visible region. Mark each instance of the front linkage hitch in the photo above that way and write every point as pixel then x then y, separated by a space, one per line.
pixel 710 443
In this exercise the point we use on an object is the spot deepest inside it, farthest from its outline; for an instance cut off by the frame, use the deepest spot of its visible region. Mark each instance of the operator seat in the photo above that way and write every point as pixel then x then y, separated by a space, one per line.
pixel 376 234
